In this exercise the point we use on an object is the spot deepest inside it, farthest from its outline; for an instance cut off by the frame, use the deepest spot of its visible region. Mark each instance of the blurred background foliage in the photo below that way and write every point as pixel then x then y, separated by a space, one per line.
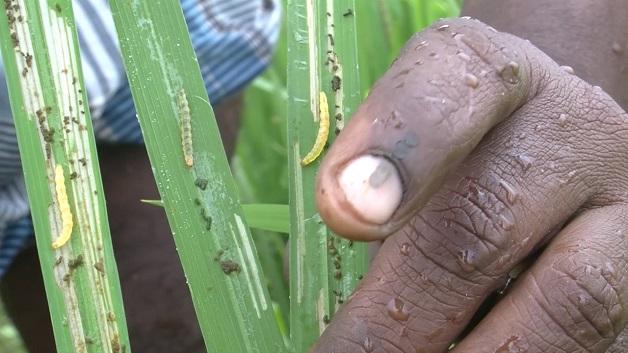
pixel 260 163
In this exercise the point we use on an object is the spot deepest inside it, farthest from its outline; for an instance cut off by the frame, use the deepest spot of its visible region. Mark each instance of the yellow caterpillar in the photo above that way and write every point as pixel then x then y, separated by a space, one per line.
pixel 323 131
pixel 185 121
pixel 64 208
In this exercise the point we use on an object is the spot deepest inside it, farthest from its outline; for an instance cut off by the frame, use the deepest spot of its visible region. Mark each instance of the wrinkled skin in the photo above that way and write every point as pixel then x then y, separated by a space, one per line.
pixel 515 163
pixel 159 310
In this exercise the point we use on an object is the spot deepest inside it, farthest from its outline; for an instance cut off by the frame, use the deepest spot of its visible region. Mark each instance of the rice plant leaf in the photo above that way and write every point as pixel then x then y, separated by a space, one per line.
pixel 322 52
pixel 57 146
pixel 228 289
pixel 270 217
pixel 156 203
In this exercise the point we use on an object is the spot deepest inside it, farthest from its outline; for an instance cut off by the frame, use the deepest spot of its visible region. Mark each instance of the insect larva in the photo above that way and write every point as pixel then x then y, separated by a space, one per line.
pixel 64 209
pixel 323 131
pixel 185 121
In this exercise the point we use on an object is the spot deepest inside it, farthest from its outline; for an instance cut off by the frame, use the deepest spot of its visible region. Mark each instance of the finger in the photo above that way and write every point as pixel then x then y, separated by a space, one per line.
pixel 527 178
pixel 572 300
pixel 450 85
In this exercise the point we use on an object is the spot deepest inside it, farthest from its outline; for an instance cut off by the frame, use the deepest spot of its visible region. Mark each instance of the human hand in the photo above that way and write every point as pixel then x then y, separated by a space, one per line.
pixel 474 151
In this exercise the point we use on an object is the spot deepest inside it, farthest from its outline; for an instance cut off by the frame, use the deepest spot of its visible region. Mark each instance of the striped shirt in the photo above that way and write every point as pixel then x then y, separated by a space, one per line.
pixel 233 40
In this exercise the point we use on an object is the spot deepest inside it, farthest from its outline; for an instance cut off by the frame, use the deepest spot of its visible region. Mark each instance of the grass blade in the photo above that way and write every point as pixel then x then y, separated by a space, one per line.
pixel 347 260
pixel 322 52
pixel 40 52
pixel 270 217
pixel 218 256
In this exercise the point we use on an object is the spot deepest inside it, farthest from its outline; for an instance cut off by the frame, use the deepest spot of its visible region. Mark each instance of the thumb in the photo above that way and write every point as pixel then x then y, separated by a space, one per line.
pixel 449 86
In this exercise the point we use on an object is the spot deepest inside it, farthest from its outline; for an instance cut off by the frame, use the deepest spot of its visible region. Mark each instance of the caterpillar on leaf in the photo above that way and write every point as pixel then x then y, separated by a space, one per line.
pixel 64 209
pixel 323 131
pixel 185 122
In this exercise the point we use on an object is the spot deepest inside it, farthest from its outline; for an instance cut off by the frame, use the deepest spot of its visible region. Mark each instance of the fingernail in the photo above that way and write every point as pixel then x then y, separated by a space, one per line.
pixel 372 185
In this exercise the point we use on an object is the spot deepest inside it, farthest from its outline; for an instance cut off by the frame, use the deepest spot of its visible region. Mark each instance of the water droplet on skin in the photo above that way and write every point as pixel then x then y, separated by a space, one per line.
pixel 404 249
pixel 367 345
pixel 617 48
pixel 433 55
pixel 568 69
pixel 422 44
pixel 396 309
pixel 471 80
pixel 512 196
pixel 423 277
pixel 510 72
pixel 464 56
pixel 538 127
pixel 522 135
pixel 443 27
pixel 562 120
pixel 505 223
pixel 464 260
pixel 525 161
pixel 418 62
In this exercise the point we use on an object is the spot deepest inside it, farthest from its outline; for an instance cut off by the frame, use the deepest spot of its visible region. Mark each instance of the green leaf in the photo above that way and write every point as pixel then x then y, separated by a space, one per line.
pixel 156 203
pixel 324 269
pixel 228 289
pixel 58 151
pixel 270 217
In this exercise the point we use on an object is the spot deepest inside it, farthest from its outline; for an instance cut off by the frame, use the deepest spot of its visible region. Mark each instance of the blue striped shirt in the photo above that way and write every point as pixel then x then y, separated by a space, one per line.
pixel 233 40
